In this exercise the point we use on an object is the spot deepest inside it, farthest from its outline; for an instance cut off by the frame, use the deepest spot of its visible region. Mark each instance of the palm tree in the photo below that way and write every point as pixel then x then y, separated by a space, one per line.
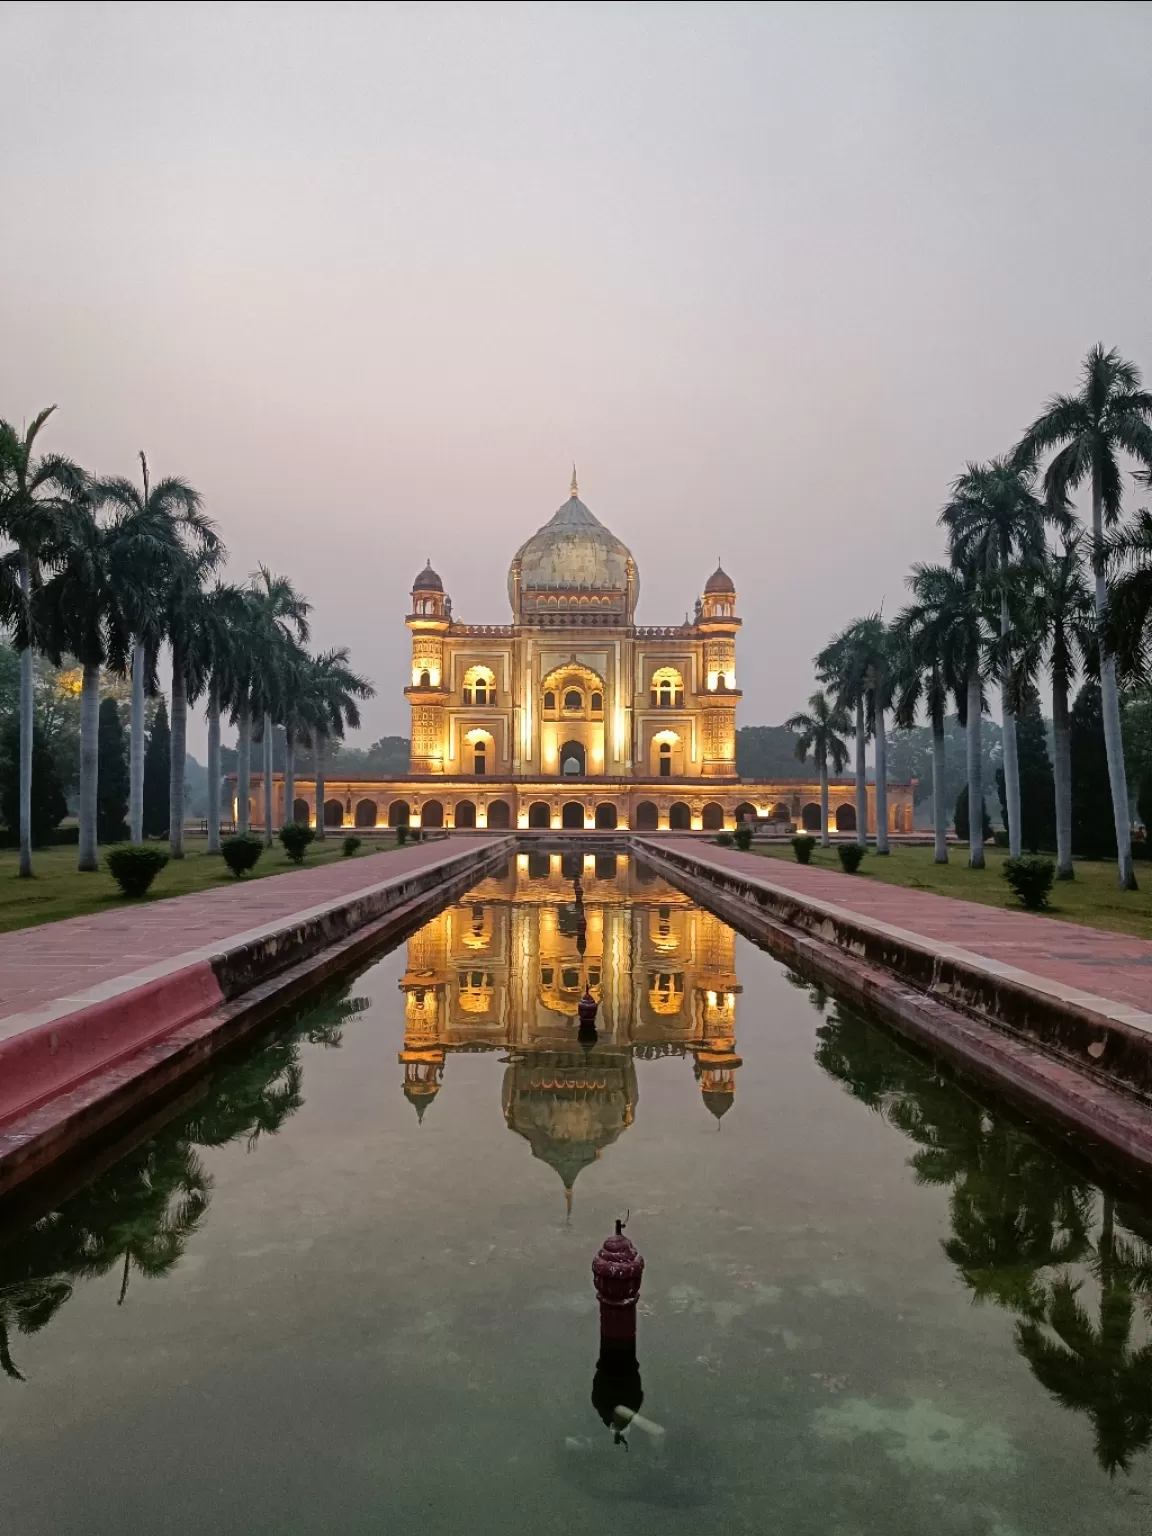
pixel 333 690
pixel 856 664
pixel 37 516
pixel 280 627
pixel 1058 623
pixel 995 524
pixel 212 659
pixel 1130 601
pixel 1110 415
pixel 822 731
pixel 171 511
pixel 185 623
pixel 928 670
pixel 948 611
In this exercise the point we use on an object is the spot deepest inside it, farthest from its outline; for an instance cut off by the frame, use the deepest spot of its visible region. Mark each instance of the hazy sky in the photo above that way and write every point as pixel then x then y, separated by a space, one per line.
pixel 372 276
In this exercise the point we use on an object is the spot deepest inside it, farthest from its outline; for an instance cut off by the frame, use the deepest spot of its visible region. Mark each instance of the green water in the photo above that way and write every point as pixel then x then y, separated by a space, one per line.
pixel 343 1291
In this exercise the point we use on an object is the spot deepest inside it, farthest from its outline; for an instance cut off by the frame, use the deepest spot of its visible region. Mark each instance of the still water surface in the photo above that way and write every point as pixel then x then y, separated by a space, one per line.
pixel 348 1290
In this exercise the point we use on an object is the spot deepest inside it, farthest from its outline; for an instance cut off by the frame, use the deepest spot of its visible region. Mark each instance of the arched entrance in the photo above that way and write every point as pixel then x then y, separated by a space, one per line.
pixel 499 815
pixel 465 813
pixel 845 818
pixel 680 817
pixel 744 812
pixel 573 759
pixel 647 816
pixel 810 817
pixel 300 812
pixel 713 817
pixel 432 814
pixel 539 814
pixel 606 818
pixel 365 813
pixel 333 813
pixel 572 816
pixel 399 814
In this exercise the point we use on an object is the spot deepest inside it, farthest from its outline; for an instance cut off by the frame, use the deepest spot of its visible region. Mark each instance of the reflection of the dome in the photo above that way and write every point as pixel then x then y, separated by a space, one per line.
pixel 504 970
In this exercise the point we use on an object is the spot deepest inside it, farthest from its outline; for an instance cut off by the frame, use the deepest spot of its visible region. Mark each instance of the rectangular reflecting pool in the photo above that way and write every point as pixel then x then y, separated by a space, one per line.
pixel 347 1286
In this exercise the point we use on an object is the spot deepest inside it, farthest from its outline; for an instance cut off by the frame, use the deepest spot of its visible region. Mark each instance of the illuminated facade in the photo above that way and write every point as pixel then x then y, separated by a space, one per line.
pixel 503 969
pixel 573 716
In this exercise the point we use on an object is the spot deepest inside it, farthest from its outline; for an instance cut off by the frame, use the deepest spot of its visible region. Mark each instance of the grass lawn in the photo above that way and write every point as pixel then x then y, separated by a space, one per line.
pixel 1093 898
pixel 58 890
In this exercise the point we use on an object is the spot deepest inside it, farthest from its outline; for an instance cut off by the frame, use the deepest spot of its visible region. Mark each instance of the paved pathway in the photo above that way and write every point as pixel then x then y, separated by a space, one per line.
pixel 1109 965
pixel 38 965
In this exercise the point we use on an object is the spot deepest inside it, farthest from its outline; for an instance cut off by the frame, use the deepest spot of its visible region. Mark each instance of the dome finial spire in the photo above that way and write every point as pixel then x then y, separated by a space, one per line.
pixel 575 489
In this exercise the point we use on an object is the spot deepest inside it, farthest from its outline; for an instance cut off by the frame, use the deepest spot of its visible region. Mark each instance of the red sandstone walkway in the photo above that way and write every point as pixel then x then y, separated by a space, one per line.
pixel 40 965
pixel 1109 965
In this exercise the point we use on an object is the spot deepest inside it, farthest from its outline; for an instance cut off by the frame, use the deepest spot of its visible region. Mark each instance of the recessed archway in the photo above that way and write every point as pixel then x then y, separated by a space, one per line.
pixel 301 813
pixel 647 816
pixel 432 814
pixel 606 818
pixel 499 815
pixel 539 814
pixel 846 818
pixel 465 814
pixel 680 817
pixel 744 812
pixel 572 815
pixel 712 819
pixel 365 813
pixel 399 814
pixel 810 817
pixel 573 759
pixel 333 813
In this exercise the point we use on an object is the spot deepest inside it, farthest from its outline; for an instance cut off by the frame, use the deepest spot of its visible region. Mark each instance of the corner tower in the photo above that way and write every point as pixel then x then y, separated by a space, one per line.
pixel 717 624
pixel 429 619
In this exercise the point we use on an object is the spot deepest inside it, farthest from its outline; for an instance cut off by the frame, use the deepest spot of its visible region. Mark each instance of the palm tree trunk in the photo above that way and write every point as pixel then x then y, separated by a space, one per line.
pixel 136 748
pixel 267 780
pixel 825 840
pixel 881 783
pixel 1110 699
pixel 243 769
pixel 27 723
pixel 939 809
pixel 89 765
pixel 213 768
pixel 289 775
pixel 1011 760
pixel 861 778
pixel 320 747
pixel 179 730
pixel 975 775
pixel 1062 774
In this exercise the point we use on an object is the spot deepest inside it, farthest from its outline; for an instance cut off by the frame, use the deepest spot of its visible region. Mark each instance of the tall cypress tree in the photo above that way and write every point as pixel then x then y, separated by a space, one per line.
pixel 1037 784
pixel 1093 828
pixel 49 806
pixel 112 776
pixel 157 773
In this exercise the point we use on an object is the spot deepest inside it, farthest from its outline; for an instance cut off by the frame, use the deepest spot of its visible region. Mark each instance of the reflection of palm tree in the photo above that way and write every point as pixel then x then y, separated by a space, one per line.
pixel 1093 1368
pixel 27 1307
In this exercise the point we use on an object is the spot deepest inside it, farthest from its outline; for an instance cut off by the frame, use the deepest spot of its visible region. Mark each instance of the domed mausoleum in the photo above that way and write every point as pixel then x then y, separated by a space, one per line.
pixel 570 715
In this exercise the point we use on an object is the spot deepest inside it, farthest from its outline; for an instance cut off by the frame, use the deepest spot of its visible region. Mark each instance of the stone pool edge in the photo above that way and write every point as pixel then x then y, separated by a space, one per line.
pixel 1081 1061
pixel 73 1071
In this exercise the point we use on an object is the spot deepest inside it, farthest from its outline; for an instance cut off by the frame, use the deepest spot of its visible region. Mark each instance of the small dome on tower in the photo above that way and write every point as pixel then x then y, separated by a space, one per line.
pixel 427 580
pixel 719 581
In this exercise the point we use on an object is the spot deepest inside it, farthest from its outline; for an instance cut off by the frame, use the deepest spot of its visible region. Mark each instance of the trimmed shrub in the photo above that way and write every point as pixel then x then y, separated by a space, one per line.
pixel 851 856
pixel 241 853
pixel 296 838
pixel 349 846
pixel 134 868
pixel 401 836
pixel 1001 837
pixel 724 839
pixel 1031 879
pixel 802 846
pixel 742 837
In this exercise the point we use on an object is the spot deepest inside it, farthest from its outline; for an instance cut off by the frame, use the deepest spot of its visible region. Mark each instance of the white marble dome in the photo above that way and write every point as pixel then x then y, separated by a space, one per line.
pixel 573 552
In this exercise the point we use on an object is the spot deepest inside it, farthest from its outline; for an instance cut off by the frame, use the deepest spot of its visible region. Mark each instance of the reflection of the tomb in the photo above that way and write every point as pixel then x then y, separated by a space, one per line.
pixel 503 970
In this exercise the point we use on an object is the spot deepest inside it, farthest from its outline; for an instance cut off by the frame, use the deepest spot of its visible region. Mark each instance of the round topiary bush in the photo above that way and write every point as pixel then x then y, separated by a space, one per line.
pixel 349 846
pixel 295 838
pixel 241 853
pixel 742 837
pixel 134 868
pixel 802 846
pixel 401 836
pixel 1030 877
pixel 851 856
pixel 724 839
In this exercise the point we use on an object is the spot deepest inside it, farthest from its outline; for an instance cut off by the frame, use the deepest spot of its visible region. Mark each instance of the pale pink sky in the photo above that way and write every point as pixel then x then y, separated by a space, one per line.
pixel 372 276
